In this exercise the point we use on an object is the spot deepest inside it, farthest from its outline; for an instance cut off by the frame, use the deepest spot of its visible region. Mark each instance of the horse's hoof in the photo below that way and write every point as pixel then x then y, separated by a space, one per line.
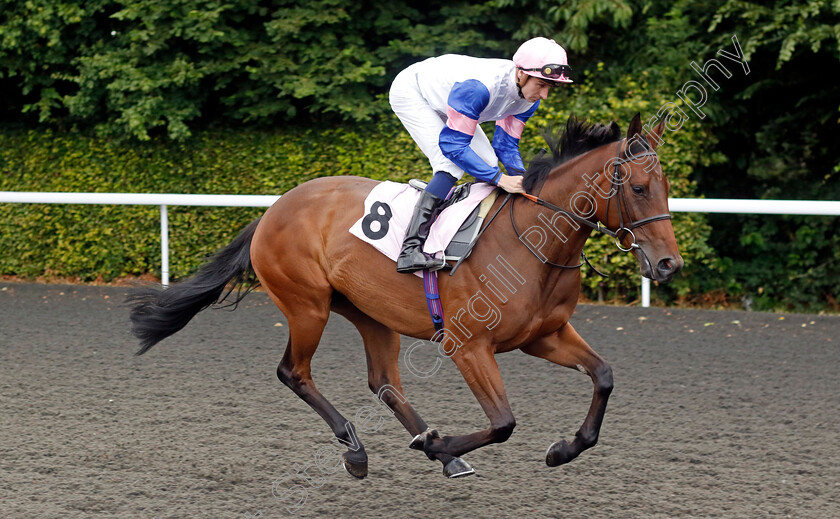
pixel 419 441
pixel 559 453
pixel 457 468
pixel 355 464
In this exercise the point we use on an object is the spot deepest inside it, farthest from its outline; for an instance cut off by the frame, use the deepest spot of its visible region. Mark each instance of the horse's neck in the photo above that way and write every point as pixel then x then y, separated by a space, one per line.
pixel 564 239
pixel 561 189
pixel 567 236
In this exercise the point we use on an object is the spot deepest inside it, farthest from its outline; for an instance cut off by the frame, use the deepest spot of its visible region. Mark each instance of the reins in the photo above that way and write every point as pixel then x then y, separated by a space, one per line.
pixel 542 202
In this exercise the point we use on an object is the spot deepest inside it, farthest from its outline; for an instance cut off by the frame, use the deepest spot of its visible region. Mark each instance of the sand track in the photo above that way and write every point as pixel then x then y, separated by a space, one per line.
pixel 714 414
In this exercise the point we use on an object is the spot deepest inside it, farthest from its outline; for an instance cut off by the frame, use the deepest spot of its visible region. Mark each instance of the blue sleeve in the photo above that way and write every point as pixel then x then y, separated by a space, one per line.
pixel 506 139
pixel 466 102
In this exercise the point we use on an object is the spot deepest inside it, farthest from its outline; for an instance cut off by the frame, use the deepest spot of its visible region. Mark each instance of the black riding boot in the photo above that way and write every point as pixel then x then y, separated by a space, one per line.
pixel 412 258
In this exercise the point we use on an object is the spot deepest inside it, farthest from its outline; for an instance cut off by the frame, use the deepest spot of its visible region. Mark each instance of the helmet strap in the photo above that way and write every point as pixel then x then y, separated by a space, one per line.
pixel 520 83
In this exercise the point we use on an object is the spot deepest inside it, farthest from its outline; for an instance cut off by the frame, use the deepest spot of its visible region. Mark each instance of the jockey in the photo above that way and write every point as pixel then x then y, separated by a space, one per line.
pixel 441 101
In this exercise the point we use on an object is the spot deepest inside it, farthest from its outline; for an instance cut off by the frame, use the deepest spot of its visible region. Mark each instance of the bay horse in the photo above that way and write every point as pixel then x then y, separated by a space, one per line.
pixel 301 252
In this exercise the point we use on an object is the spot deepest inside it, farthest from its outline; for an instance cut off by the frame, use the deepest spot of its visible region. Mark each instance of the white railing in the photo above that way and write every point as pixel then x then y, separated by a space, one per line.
pixel 744 206
pixel 676 205
pixel 162 200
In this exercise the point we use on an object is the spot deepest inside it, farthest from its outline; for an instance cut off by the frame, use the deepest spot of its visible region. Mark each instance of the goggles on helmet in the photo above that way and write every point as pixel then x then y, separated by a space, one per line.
pixel 551 71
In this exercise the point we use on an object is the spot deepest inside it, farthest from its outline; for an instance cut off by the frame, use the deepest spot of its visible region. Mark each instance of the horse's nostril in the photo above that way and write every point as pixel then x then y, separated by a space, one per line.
pixel 666 265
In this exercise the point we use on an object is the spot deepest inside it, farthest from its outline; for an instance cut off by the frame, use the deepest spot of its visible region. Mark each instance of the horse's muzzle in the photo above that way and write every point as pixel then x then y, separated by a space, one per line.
pixel 662 270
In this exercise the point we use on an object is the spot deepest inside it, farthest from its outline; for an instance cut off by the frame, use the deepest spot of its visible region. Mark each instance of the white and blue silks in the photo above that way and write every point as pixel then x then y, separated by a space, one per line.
pixel 441 101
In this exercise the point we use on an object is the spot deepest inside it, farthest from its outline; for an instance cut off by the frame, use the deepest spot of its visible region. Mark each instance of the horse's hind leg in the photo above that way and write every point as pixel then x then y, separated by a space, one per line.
pixel 307 319
pixel 567 348
pixel 382 348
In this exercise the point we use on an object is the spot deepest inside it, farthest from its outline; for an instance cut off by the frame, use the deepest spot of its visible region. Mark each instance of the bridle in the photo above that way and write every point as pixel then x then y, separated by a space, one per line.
pixel 618 193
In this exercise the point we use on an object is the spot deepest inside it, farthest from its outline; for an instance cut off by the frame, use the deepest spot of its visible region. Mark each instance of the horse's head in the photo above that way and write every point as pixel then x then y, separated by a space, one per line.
pixel 633 202
pixel 625 190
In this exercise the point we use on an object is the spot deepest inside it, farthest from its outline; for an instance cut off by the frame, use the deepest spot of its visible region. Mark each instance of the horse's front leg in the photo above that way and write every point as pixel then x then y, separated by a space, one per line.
pixel 566 348
pixel 480 371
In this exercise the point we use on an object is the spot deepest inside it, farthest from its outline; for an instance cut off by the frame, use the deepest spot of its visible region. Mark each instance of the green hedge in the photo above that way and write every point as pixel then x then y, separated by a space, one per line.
pixel 108 242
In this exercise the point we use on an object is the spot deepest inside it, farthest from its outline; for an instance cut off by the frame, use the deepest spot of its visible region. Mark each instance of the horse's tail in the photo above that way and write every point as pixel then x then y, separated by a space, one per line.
pixel 156 314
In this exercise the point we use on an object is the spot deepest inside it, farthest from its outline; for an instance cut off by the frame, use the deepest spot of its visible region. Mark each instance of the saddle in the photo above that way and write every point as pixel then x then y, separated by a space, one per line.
pixel 387 213
pixel 464 240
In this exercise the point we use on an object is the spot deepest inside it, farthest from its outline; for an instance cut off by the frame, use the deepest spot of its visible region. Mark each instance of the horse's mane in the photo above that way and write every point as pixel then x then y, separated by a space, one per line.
pixel 578 137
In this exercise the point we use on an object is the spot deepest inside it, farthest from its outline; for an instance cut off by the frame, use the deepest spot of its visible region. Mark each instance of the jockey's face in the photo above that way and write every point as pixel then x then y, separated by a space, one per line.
pixel 533 88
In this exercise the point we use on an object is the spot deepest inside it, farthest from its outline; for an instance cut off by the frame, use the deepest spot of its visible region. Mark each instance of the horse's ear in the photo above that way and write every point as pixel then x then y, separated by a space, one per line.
pixel 635 126
pixel 655 135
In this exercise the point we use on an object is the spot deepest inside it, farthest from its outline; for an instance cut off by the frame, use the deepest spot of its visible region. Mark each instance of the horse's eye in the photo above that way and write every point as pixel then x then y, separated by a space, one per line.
pixel 639 190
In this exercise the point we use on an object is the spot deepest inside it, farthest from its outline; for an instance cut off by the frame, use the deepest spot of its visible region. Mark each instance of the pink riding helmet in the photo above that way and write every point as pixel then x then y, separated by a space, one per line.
pixel 543 58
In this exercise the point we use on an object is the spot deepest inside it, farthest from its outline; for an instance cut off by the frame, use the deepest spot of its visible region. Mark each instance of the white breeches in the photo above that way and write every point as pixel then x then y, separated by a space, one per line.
pixel 424 124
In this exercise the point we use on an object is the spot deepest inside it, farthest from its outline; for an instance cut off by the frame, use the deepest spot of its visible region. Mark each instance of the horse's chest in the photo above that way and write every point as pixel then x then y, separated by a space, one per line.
pixel 550 321
pixel 535 323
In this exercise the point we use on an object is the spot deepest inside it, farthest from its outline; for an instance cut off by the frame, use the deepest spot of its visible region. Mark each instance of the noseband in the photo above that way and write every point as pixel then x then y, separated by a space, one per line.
pixel 618 193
